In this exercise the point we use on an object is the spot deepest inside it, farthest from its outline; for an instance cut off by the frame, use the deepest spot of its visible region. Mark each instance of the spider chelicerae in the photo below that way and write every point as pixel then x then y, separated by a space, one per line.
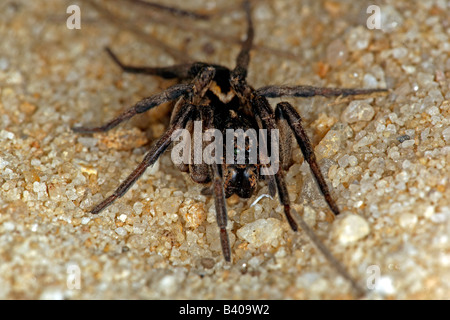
pixel 222 99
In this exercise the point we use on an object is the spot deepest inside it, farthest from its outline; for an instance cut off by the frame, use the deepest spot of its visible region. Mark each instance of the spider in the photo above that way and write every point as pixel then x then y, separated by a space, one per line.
pixel 222 99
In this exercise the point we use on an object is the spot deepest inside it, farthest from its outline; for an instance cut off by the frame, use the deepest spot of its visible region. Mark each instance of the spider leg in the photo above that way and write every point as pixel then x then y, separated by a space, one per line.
pixel 266 116
pixel 198 169
pixel 150 158
pixel 285 111
pixel 285 142
pixel 167 95
pixel 182 115
pixel 221 210
pixel 263 111
pixel 309 91
pixel 243 59
pixel 359 290
pixel 172 10
pixel 272 186
pixel 179 71
pixel 109 17
pixel 197 88
pixel 217 188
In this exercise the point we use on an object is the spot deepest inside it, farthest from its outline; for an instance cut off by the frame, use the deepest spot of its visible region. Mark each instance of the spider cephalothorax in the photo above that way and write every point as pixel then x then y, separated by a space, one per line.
pixel 220 98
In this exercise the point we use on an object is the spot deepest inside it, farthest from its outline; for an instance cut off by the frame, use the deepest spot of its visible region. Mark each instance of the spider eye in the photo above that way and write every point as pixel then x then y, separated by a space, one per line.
pixel 232 174
pixel 250 177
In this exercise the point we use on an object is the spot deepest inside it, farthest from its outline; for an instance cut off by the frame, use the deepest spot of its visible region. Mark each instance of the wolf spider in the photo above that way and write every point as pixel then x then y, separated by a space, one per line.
pixel 221 98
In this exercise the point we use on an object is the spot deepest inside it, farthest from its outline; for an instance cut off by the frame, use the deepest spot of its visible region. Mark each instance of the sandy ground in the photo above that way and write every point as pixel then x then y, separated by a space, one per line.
pixel 386 156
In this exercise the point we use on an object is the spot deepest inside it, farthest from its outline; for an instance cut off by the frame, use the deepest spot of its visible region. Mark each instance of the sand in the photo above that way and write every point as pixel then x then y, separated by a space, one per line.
pixel 386 156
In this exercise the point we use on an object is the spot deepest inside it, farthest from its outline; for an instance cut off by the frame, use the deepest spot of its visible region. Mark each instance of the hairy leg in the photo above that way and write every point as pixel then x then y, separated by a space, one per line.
pixel 221 211
pixel 172 10
pixel 150 158
pixel 194 91
pixel 309 91
pixel 167 95
pixel 286 111
pixel 179 71
pixel 264 113
pixel 243 58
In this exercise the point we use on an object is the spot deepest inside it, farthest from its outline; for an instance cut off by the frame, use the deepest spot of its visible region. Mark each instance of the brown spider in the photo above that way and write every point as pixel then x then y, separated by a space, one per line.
pixel 221 99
